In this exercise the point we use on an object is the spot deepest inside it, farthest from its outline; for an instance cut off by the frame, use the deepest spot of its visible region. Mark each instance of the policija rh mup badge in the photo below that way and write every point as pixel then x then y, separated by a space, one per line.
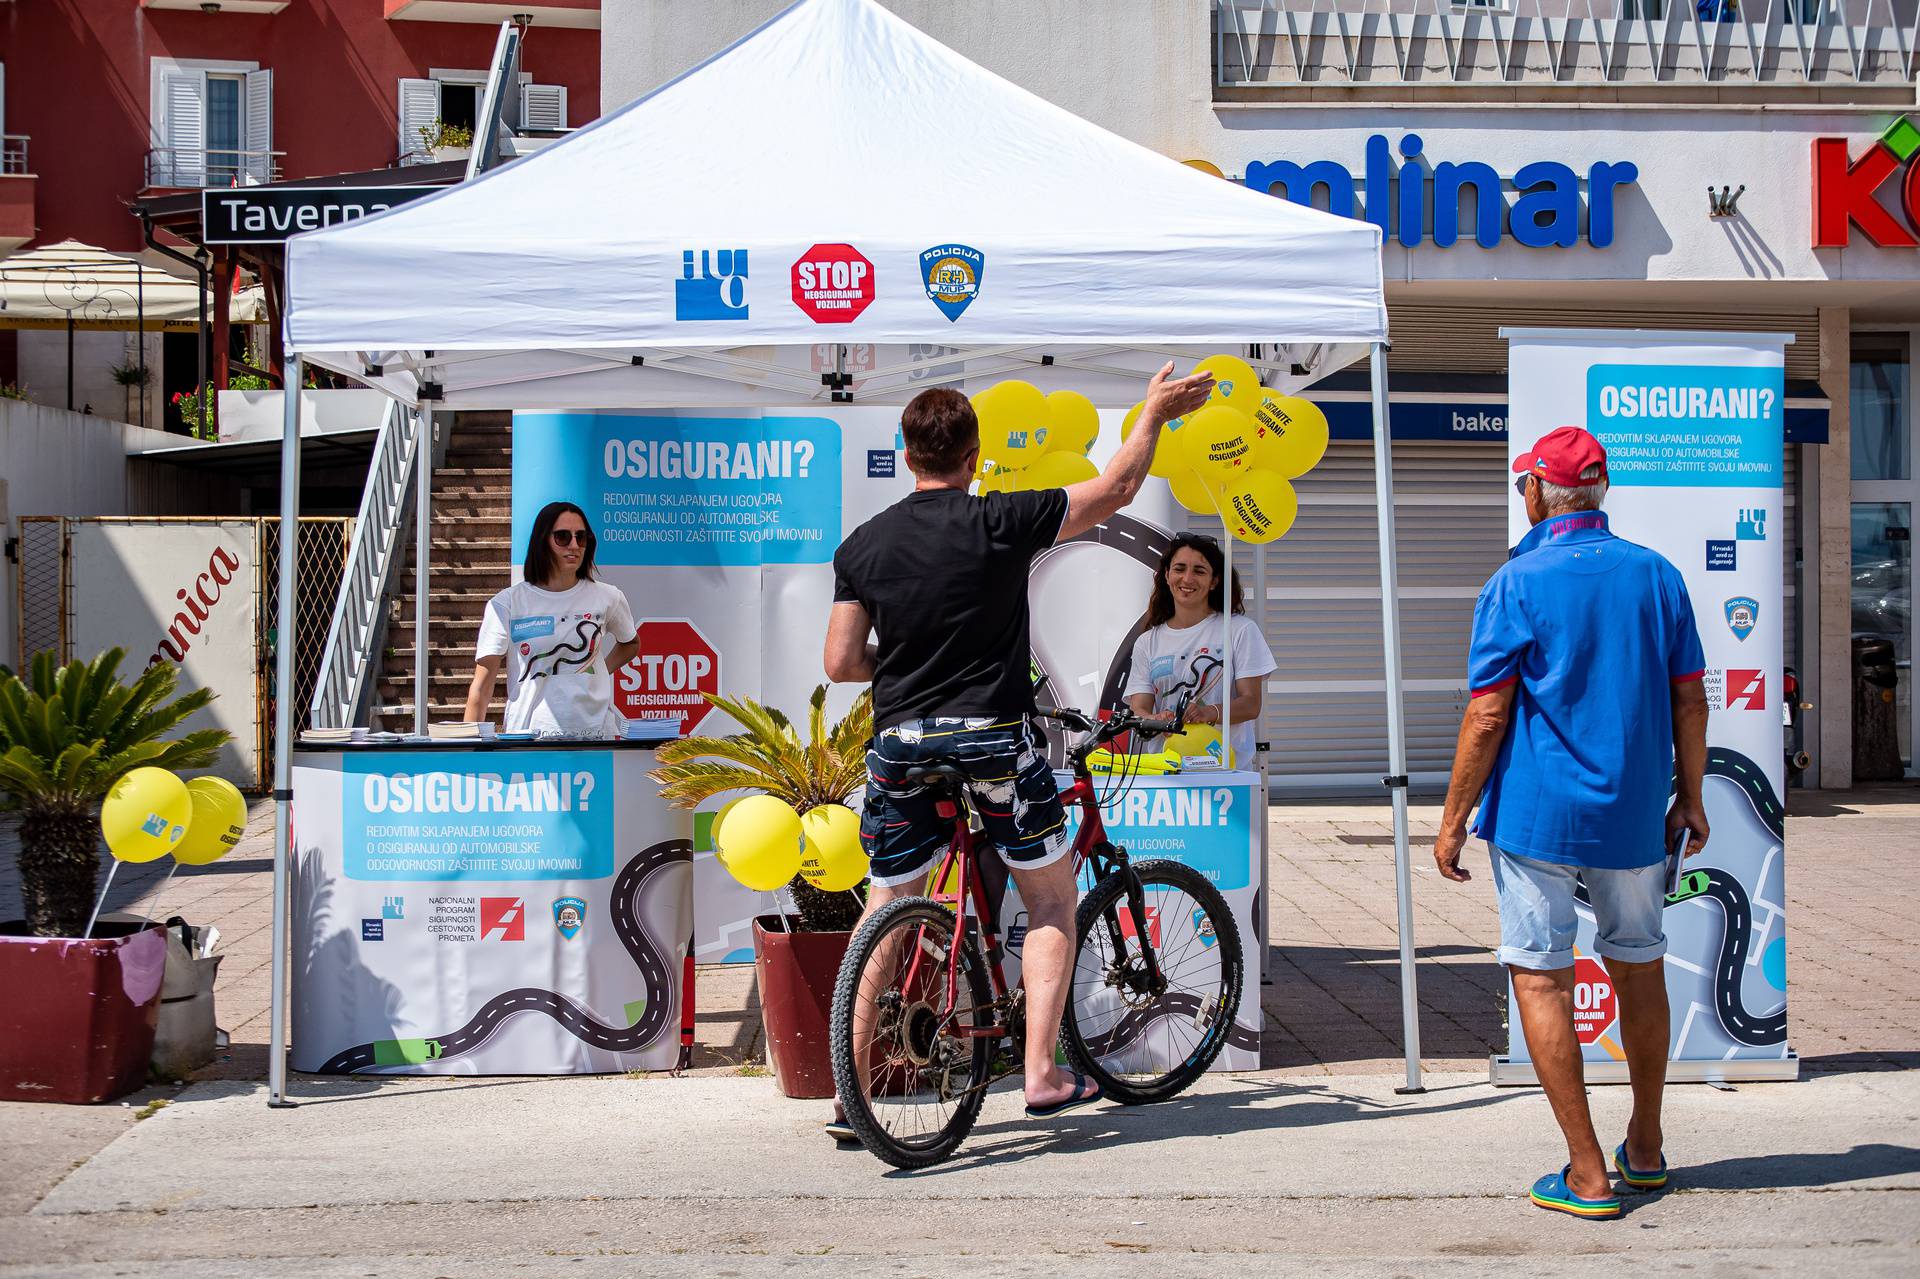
pixel 952 274
pixel 569 916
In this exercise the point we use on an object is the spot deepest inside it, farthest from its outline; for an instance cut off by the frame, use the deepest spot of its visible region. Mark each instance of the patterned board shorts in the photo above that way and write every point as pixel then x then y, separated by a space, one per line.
pixel 1008 781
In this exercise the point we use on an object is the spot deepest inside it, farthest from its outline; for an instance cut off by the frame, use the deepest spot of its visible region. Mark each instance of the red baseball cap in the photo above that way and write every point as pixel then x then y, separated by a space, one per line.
pixel 1560 457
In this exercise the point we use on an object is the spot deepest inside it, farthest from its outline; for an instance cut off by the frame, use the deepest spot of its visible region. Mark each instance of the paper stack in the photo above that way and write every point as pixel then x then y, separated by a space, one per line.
pixel 480 732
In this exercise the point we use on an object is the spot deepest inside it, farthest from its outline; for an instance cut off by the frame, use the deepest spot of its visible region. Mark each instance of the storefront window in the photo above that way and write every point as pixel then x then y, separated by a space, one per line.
pixel 1882 618
pixel 1878 393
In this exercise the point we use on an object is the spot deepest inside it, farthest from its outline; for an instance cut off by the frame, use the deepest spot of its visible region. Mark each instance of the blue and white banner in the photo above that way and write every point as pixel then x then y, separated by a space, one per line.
pixel 487 911
pixel 1693 424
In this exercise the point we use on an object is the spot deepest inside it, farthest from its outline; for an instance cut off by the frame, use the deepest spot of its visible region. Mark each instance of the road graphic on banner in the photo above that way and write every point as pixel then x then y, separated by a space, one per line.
pixel 1183 1005
pixel 1723 888
pixel 653 960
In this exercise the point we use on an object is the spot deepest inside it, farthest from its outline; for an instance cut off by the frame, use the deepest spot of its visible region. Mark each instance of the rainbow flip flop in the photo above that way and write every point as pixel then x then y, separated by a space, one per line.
pixel 1635 1178
pixel 1551 1192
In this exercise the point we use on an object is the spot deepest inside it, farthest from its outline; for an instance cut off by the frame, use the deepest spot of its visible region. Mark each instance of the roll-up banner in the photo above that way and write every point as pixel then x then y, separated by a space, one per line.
pixel 721 525
pixel 1693 428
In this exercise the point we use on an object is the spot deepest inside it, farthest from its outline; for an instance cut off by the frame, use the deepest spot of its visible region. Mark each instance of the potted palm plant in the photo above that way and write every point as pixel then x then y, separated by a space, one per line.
pixel 796 956
pixel 78 1020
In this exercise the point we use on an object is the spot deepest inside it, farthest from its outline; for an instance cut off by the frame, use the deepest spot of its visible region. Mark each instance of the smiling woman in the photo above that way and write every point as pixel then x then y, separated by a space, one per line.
pixel 560 633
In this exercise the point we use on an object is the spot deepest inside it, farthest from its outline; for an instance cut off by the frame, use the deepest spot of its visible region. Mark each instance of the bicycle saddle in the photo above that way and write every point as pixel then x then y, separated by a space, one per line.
pixel 941 779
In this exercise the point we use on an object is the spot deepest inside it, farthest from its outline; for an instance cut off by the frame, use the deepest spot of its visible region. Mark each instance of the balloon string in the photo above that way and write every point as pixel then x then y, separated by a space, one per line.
pixel 105 889
pixel 147 917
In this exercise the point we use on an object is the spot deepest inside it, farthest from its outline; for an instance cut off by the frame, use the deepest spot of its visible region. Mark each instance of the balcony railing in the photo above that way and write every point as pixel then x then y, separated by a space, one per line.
pixel 210 167
pixel 1401 44
pixel 13 154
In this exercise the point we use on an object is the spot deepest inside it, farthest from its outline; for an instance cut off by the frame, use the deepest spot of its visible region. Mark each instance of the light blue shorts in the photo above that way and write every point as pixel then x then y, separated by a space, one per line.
pixel 1537 920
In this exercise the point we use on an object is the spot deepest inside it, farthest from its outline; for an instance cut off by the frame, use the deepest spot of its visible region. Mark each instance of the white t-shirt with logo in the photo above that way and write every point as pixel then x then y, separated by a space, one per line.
pixel 1163 658
pixel 556 644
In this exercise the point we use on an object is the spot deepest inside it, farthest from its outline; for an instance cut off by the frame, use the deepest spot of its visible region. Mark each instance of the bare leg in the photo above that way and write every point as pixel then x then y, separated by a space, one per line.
pixel 1644 1027
pixel 878 972
pixel 1046 963
pixel 1546 1015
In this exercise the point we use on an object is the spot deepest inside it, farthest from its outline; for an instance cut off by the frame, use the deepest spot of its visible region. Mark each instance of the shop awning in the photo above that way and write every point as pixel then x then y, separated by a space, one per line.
pixel 821 181
pixel 102 290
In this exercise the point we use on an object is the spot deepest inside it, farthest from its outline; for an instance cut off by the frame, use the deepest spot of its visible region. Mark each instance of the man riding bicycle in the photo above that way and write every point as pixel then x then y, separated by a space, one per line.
pixel 940 580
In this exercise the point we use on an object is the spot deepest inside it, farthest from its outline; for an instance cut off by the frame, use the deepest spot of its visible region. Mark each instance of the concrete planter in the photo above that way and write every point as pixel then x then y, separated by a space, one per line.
pixel 78 1021
pixel 261 415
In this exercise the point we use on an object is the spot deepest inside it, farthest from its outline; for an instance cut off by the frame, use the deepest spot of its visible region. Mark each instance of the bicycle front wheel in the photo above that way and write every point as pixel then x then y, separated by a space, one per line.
pixel 1146 1036
pixel 911 1036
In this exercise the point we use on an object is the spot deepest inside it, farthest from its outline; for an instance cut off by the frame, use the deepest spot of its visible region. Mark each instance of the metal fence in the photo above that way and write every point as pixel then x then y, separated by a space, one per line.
pixel 40 589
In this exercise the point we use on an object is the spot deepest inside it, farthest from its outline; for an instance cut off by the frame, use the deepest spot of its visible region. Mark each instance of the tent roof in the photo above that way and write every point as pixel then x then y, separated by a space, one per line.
pixel 836 123
pixel 40 289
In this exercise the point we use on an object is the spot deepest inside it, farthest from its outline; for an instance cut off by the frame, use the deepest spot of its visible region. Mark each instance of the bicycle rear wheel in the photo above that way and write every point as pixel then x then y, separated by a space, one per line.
pixel 920 1087
pixel 1146 1040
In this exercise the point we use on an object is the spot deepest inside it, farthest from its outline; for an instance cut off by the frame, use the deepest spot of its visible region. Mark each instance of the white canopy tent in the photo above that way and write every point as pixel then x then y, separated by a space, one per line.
pixel 790 193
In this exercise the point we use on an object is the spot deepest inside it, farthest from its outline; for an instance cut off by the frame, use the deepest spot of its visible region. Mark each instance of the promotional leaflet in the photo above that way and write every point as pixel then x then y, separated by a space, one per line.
pixel 1692 425
pixel 487 912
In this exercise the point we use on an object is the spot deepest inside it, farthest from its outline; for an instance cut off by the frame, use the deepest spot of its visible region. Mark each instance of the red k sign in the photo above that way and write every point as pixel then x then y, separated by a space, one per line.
pixel 833 283
pixel 1843 190
pixel 667 677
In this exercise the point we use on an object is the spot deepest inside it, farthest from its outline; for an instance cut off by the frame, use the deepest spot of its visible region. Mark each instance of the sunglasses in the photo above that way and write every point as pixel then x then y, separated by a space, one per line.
pixel 1520 484
pixel 567 537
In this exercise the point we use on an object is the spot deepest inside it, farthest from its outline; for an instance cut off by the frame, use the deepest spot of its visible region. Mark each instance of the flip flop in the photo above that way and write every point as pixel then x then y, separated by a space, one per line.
pixel 1551 1192
pixel 1639 1180
pixel 842 1132
pixel 1072 1101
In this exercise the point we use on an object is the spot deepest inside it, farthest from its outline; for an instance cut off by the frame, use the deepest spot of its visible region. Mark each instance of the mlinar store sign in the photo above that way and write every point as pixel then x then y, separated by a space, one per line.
pixel 1844 188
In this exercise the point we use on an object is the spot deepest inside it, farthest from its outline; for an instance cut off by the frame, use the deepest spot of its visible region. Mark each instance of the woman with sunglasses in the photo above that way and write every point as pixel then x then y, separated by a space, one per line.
pixel 561 633
pixel 1187 623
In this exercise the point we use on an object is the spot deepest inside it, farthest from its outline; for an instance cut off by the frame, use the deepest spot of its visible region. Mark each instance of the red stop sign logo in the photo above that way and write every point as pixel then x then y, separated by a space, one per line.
pixel 667 677
pixel 833 283
pixel 1595 1006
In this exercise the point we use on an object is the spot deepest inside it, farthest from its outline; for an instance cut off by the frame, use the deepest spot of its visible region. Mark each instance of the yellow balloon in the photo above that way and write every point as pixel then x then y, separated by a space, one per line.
pixel 1260 506
pixel 999 480
pixel 1164 463
pixel 761 843
pixel 719 816
pixel 1215 440
pixel 1290 435
pixel 833 860
pixel 219 820
pixel 145 815
pixel 1057 470
pixel 1013 422
pixel 1193 493
pixel 1073 423
pixel 1235 384
pixel 1199 739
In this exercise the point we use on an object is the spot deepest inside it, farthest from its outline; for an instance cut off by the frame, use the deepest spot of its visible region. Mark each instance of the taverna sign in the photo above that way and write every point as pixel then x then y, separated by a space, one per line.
pixel 1414 198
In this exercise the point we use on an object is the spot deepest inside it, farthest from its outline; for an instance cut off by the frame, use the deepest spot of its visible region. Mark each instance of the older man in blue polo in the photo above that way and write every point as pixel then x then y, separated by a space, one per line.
pixel 1587 714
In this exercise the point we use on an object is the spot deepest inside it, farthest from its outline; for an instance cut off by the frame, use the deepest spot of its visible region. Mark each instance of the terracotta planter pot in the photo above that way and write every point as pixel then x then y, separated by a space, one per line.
pixel 77 1023
pixel 797 972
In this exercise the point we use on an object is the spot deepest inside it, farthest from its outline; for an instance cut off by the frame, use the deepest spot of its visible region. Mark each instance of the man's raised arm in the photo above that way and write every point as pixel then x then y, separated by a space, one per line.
pixel 1092 501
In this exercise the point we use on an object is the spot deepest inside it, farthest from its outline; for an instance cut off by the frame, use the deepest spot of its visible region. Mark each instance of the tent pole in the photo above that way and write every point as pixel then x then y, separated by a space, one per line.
pixel 422 557
pixel 1396 716
pixel 285 694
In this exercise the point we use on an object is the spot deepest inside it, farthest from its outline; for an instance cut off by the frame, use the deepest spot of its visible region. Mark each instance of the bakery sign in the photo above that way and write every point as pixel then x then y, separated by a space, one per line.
pixel 1847 190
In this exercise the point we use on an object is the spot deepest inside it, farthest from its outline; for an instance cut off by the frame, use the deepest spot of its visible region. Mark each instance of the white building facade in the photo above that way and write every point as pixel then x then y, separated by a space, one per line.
pixel 1577 163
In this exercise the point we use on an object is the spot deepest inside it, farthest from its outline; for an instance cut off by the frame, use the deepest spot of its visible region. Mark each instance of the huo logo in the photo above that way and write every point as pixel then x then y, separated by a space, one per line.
pixel 1843 189
pixel 1414 199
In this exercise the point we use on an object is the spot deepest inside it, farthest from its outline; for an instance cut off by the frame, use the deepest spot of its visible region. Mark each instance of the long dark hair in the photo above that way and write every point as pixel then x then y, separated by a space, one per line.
pixel 538 566
pixel 1160 606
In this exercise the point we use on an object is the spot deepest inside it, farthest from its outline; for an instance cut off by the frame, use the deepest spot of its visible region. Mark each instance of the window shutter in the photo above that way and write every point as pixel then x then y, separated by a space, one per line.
pixel 543 106
pixel 419 108
pixel 257 164
pixel 183 131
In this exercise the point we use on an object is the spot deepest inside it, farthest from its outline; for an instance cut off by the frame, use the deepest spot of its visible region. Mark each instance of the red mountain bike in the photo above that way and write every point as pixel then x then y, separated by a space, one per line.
pixel 923 1004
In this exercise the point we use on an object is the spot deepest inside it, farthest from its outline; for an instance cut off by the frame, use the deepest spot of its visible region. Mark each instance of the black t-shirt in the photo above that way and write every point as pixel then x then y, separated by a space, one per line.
pixel 943 575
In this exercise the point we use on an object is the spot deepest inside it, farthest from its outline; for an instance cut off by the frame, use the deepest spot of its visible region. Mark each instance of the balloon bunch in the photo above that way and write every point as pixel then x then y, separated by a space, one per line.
pixel 1237 454
pixel 764 843
pixel 1033 441
pixel 150 813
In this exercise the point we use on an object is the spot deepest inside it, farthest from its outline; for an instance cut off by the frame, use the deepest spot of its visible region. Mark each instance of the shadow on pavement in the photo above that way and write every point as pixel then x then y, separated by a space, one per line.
pixel 1859 1063
pixel 1788 1171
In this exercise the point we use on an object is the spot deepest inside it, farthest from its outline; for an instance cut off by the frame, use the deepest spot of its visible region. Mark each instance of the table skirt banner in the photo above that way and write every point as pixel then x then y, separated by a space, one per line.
pixel 487 912
pixel 1203 820
pixel 1693 424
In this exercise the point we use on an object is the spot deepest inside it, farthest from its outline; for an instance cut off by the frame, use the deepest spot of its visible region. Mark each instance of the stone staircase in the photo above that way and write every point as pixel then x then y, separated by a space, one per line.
pixel 472 561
